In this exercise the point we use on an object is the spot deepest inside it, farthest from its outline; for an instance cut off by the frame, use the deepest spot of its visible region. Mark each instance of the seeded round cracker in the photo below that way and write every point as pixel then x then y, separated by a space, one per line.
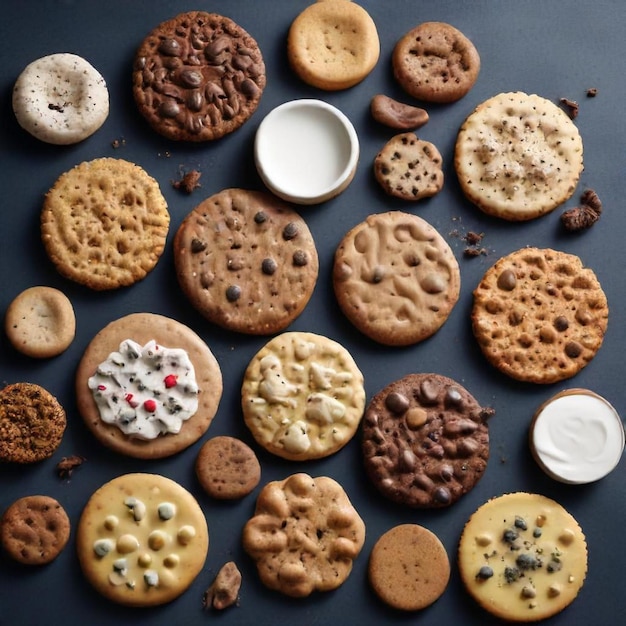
pixel 518 156
pixel 104 223
pixel 539 315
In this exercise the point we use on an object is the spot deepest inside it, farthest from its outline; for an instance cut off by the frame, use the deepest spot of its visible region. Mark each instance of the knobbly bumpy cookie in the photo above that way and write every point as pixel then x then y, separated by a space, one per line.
pixel 304 535
pixel 227 468
pixel 518 156
pixel 198 77
pixel 522 557
pixel 154 381
pixel 409 568
pixel 141 540
pixel 425 441
pixel 409 168
pixel 246 260
pixel 104 223
pixel 60 99
pixel 333 44
pixel 34 530
pixel 40 322
pixel 32 423
pixel 302 396
pixel 435 62
pixel 539 315
pixel 396 278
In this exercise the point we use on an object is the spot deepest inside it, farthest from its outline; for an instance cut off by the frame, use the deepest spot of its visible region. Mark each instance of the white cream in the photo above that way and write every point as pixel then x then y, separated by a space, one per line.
pixel 578 437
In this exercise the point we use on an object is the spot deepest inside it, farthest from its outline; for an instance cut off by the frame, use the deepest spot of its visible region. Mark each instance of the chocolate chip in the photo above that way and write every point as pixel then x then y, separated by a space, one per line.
pixel 507 280
pixel 573 349
pixel 260 217
pixel 233 293
pixel 268 266
pixel 197 245
pixel 290 231
pixel 429 392
pixel 300 258
pixel 397 403
pixel 484 573
pixel 442 495
pixel 561 323
pixel 453 397
pixel 170 47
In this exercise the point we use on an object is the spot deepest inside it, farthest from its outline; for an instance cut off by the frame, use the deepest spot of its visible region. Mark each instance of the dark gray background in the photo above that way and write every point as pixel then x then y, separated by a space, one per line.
pixel 555 49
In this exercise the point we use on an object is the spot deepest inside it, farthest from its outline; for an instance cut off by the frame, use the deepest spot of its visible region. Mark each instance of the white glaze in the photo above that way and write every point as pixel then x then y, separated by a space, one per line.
pixel 578 437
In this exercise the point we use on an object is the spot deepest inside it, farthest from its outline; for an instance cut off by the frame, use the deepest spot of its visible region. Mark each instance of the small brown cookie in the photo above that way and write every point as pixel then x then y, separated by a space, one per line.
pixel 227 468
pixel 333 45
pixel 435 62
pixel 304 535
pixel 398 115
pixel 224 590
pixel 518 156
pixel 396 278
pixel 409 168
pixel 539 315
pixel 104 223
pixel 40 322
pixel 135 394
pixel 34 530
pixel 522 557
pixel 198 77
pixel 409 567
pixel 425 441
pixel 141 540
pixel 32 423
pixel 246 260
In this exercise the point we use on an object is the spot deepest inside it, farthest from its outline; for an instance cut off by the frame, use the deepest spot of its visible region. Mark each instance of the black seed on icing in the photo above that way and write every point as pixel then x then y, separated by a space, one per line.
pixel 526 561
pixel 233 293
pixel 442 495
pixel 260 217
pixel 290 231
pixel 520 523
pixel 197 246
pixel 509 535
pixel 300 258
pixel 268 266
pixel 561 323
pixel 453 397
pixel 507 280
pixel 573 349
pixel 537 533
pixel 484 573
pixel 397 403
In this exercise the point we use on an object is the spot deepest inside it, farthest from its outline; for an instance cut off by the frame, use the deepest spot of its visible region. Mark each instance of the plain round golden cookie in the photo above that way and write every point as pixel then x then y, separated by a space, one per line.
pixel 518 156
pixel 539 315
pixel 143 327
pixel 40 322
pixel 333 44
pixel 302 396
pixel 104 223
pixel 409 567
pixel 141 540
pixel 396 278
pixel 522 557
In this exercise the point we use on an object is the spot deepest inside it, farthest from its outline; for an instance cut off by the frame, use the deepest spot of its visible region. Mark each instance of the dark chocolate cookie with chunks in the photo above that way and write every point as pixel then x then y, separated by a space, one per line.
pixel 425 441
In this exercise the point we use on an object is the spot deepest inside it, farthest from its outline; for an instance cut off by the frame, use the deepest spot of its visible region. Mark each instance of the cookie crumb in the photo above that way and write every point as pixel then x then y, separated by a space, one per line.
pixel 118 143
pixel 224 591
pixel 571 106
pixel 592 92
pixel 67 465
pixel 585 215
pixel 188 182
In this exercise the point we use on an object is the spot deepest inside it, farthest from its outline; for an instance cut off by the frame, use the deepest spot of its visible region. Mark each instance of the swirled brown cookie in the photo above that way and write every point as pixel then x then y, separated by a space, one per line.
pixel 435 62
pixel 396 278
pixel 539 315
pixel 246 260
pixel 104 223
pixel 32 423
pixel 518 156
pixel 198 77
pixel 304 535
pixel 425 441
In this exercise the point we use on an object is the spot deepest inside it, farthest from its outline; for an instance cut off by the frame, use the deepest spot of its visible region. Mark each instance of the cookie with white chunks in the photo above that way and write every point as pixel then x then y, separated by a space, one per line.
pixel 425 441
pixel 302 396
pixel 539 315
pixel 141 540
pixel 518 156
pixel 198 77
pixel 148 386
pixel 396 278
pixel 246 260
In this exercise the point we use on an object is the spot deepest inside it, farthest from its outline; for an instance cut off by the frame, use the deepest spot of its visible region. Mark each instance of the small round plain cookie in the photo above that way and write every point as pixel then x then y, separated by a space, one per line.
pixel 141 540
pixel 518 156
pixel 227 468
pixel 34 530
pixel 60 99
pixel 302 396
pixel 40 322
pixel 539 315
pixel 522 557
pixel 104 223
pixel 32 423
pixel 409 168
pixel 143 328
pixel 409 568
pixel 304 536
pixel 435 62
pixel 333 45
pixel 425 441
pixel 197 77
pixel 396 278
pixel 246 260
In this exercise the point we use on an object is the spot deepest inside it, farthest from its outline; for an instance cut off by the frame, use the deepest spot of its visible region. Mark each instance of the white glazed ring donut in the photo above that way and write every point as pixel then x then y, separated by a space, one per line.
pixel 60 99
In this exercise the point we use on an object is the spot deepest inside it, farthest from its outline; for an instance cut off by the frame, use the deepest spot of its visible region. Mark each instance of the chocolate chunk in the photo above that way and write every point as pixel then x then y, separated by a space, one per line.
pixel 573 349
pixel 397 403
pixel 507 280
pixel 233 293
pixel 290 231
pixel 197 246
pixel 260 217
pixel 561 323
pixel 300 258
pixel 268 266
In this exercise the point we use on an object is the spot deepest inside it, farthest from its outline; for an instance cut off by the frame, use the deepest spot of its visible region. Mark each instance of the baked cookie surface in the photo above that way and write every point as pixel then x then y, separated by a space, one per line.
pixel 539 315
